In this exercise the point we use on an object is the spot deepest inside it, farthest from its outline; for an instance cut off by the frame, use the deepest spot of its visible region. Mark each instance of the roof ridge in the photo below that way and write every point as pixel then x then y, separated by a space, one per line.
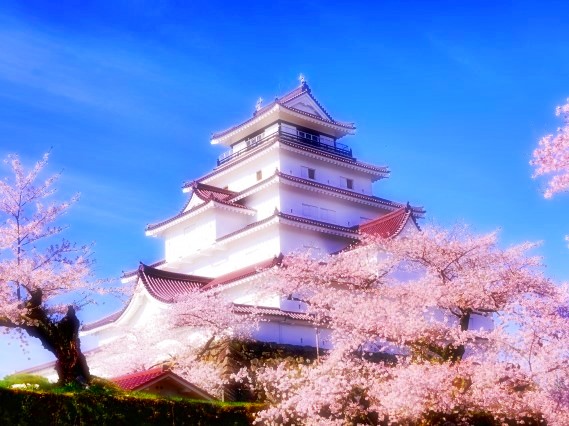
pixel 348 229
pixel 341 190
pixel 148 270
pixel 389 225
pixel 153 226
pixel 201 185
pixel 150 371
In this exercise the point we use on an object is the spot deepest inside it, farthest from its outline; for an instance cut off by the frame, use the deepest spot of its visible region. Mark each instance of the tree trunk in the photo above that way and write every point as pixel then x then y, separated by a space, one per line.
pixel 459 350
pixel 62 339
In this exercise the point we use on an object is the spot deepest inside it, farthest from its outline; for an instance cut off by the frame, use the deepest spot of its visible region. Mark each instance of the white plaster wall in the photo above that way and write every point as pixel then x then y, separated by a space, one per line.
pixel 234 255
pixel 293 334
pixel 227 221
pixel 141 310
pixel 326 172
pixel 348 213
pixel 194 202
pixel 244 174
pixel 264 202
pixel 187 237
pixel 266 133
pixel 255 248
pixel 294 238
pixel 247 292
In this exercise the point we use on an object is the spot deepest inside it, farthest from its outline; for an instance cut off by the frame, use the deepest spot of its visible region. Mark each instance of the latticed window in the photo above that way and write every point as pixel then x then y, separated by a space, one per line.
pixel 346 183
pixel 307 173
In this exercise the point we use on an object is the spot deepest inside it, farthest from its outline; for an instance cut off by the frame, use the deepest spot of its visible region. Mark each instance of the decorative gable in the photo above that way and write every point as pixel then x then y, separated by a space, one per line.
pixel 305 103
pixel 193 202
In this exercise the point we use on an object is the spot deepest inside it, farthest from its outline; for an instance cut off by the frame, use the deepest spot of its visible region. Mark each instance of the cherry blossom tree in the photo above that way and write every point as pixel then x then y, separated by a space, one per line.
pixel 551 157
pixel 467 328
pixel 37 275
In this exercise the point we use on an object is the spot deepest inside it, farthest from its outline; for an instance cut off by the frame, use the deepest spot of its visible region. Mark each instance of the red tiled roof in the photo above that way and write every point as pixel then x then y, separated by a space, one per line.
pixel 390 225
pixel 208 192
pixel 166 286
pixel 143 379
pixel 135 381
pixel 248 309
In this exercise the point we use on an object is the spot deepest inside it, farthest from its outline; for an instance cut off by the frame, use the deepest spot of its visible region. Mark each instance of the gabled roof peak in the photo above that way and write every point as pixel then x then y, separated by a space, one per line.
pixel 302 89
pixel 298 105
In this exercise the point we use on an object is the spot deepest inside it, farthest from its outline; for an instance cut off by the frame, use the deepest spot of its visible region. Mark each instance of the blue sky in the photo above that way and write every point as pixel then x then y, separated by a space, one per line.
pixel 452 96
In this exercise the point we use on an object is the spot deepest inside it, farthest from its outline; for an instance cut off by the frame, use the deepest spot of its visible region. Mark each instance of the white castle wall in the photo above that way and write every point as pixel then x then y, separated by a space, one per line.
pixel 326 208
pixel 244 174
pixel 325 172
pixel 293 334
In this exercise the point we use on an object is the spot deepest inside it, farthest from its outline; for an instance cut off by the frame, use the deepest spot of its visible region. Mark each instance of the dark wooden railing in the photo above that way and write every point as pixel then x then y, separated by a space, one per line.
pixel 337 148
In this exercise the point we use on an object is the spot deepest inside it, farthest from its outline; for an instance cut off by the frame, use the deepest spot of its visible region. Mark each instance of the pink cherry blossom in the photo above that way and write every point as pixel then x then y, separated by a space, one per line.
pixel 551 157
pixel 468 327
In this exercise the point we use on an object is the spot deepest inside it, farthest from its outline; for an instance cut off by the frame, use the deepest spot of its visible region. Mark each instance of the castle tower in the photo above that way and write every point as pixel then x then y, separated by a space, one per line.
pixel 285 183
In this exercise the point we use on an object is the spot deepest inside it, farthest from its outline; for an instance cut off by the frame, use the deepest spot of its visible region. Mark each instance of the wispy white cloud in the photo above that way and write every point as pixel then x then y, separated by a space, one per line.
pixel 109 72
pixel 474 61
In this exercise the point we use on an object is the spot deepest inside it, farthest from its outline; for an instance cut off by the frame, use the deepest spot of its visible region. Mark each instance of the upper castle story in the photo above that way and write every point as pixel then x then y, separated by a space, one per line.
pixel 307 140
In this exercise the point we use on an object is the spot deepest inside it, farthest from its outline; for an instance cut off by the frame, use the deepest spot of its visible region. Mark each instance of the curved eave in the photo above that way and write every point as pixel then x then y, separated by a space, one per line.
pixel 158 228
pixel 165 286
pixel 318 226
pixel 291 220
pixel 139 298
pixel 345 194
pixel 273 312
pixel 376 172
pixel 276 112
pixel 309 185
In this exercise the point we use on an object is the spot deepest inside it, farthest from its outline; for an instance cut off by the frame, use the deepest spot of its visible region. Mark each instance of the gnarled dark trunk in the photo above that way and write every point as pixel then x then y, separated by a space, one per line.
pixel 60 338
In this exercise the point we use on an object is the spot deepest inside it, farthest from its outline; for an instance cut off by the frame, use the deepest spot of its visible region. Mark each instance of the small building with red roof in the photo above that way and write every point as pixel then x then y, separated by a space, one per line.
pixel 160 381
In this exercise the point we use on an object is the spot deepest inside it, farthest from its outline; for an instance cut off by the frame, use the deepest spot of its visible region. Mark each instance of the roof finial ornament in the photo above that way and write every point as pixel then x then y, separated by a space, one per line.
pixel 303 83
pixel 259 104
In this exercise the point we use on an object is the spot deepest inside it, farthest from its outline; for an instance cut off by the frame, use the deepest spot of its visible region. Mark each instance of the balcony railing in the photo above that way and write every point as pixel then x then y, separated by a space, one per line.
pixel 302 138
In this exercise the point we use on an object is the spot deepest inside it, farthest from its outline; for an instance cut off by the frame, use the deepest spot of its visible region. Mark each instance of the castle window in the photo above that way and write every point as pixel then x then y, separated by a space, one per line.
pixel 308 136
pixel 307 173
pixel 328 215
pixel 259 174
pixel 346 183
pixel 310 211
